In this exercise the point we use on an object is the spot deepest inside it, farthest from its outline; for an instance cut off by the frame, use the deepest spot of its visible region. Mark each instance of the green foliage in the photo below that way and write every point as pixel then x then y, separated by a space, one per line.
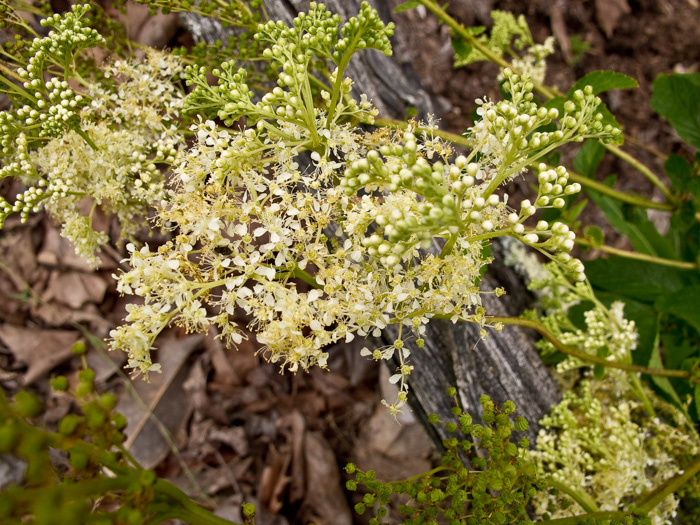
pixel 579 47
pixel 483 476
pixel 406 6
pixel 81 473
pixel 677 98
pixel 506 30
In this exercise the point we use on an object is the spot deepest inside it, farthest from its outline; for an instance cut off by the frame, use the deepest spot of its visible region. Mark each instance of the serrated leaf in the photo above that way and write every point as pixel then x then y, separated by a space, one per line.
pixel 602 81
pixel 677 98
pixel 594 235
pixel 406 6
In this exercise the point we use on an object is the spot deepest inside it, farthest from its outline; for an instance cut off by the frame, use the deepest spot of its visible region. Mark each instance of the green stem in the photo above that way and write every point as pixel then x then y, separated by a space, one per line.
pixel 447 249
pixel 421 475
pixel 192 513
pixel 639 389
pixel 618 195
pixel 460 30
pixel 300 274
pixel 652 499
pixel 583 499
pixel 86 138
pixel 568 350
pixel 638 256
pixel 446 135
pixel 339 72
pixel 642 169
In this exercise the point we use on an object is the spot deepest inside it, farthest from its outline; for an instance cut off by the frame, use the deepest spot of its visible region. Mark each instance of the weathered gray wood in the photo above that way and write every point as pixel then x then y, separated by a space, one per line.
pixel 505 365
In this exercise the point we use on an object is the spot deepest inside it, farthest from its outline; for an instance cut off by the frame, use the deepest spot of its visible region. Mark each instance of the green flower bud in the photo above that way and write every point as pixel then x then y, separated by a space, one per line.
pixel 79 348
pixel 68 425
pixel 9 436
pixel 521 424
pixel 28 404
pixel 78 460
pixel 59 383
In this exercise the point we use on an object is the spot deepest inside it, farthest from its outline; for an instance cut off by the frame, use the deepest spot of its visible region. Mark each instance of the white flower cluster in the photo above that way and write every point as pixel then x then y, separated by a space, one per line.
pixel 317 254
pixel 606 333
pixel 533 62
pixel 250 221
pixel 601 441
pixel 113 159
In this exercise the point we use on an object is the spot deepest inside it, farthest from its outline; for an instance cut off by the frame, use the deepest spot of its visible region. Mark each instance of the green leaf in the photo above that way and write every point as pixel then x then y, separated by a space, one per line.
pixel 677 98
pixel 602 81
pixel 639 280
pixel 406 6
pixel 461 48
pixel 594 235
pixel 663 382
pixel 679 171
pixel 634 224
pixel 696 397
pixel 682 303
pixel 588 157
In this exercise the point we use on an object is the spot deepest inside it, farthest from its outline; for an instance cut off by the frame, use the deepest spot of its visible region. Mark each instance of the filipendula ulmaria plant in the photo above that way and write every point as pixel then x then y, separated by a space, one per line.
pixel 81 473
pixel 355 223
pixel 482 478
pixel 79 143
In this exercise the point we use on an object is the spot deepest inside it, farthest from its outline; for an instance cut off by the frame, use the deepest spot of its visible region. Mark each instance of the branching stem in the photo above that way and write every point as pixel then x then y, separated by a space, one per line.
pixel 568 350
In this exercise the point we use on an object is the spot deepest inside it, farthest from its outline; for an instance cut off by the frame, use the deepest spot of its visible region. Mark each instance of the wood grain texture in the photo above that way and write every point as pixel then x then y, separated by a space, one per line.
pixel 504 365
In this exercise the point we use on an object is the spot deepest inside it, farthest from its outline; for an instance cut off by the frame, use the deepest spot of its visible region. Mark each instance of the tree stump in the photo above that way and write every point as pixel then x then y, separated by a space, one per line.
pixel 505 365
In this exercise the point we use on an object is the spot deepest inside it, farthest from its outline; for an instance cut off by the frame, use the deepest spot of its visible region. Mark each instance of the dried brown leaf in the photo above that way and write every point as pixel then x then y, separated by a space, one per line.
pixel 273 478
pixel 234 437
pixel 559 30
pixel 74 289
pixel 57 251
pixel 40 350
pixel 609 12
pixel 295 426
pixel 163 398
pixel 325 500
pixel 158 30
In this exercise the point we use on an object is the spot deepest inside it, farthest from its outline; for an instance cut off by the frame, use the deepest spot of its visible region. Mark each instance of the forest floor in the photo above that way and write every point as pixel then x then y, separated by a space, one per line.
pixel 229 426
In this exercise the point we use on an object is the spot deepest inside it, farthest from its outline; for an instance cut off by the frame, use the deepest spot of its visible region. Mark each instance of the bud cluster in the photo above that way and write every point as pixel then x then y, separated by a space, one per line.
pixel 314 36
pixel 495 485
pixel 555 239
pixel 52 105
pixel 316 32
